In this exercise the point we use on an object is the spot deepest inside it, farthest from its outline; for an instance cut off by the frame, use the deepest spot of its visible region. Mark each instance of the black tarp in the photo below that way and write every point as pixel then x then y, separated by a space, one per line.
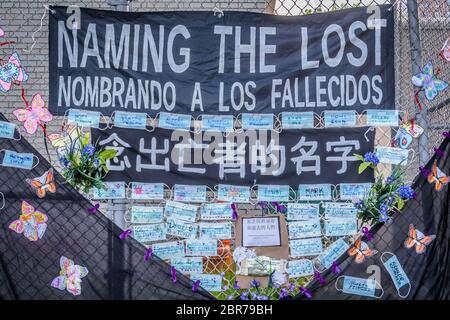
pixel 117 269
pixel 428 273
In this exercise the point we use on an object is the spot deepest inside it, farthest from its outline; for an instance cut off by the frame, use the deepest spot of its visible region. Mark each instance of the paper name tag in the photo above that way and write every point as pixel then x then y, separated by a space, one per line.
pixel 314 192
pixel 339 210
pixel 188 265
pixel 147 191
pixel 391 155
pixel 354 191
pixel 148 233
pixel 335 228
pixel 179 228
pixel 210 282
pixel 359 286
pixel 306 247
pixel 218 231
pixel 174 121
pixel 132 120
pixel 201 248
pixel 7 130
pixel 182 211
pixel 339 118
pixel 168 250
pixel 382 118
pixel 304 229
pixel 273 193
pixel 257 121
pixel 297 120
pixel 233 193
pixel 147 214
pixel 18 160
pixel 221 123
pixel 189 193
pixel 300 268
pixel 84 118
pixel 333 252
pixel 216 211
pixel 302 211
pixel 114 190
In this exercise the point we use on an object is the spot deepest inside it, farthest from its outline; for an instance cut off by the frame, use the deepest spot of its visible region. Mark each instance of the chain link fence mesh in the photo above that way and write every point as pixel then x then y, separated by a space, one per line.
pixel 25 23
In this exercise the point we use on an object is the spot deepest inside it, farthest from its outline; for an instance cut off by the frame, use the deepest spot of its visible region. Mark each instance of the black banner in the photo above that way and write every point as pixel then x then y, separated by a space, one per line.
pixel 291 157
pixel 198 63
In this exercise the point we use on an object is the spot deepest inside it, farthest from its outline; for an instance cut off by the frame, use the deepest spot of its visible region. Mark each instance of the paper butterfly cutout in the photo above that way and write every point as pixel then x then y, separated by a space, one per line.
pixel 61 141
pixel 69 277
pixel 445 51
pixel 417 238
pixel 32 223
pixel 412 128
pixel 361 250
pixel 43 183
pixel 35 115
pixel 11 72
pixel 428 82
pixel 438 177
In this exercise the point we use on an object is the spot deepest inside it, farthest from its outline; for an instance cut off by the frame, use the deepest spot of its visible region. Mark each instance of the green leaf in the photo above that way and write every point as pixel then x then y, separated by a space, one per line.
pixel 359 157
pixel 107 154
pixel 363 166
pixel 400 204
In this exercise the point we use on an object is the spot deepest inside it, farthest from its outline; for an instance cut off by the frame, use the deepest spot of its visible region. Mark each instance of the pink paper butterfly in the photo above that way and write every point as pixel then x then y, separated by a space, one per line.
pixel 34 115
pixel 69 277
pixel 2 33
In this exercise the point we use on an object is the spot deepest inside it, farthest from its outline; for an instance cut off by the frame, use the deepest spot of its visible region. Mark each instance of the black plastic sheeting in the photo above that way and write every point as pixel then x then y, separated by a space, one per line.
pixel 429 273
pixel 117 269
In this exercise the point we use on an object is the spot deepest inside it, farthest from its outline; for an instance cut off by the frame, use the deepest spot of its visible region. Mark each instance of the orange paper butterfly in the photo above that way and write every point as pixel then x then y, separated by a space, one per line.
pixel 361 250
pixel 43 183
pixel 31 223
pixel 438 177
pixel 417 238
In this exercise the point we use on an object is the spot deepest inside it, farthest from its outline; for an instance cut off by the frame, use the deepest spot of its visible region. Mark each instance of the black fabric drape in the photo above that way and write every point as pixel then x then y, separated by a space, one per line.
pixel 428 273
pixel 116 268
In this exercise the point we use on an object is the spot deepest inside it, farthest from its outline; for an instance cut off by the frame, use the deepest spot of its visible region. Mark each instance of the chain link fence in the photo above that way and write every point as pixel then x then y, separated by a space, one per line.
pixel 420 32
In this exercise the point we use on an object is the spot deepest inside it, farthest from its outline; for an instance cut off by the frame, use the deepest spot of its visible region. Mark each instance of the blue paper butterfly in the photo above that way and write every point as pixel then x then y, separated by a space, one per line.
pixel 429 83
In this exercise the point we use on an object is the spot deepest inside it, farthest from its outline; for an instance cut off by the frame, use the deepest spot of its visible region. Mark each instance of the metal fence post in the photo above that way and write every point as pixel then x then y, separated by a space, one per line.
pixel 416 58
pixel 118 207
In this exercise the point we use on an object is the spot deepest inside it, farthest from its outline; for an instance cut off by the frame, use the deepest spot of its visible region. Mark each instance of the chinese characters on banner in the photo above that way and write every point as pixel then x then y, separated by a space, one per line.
pixel 251 157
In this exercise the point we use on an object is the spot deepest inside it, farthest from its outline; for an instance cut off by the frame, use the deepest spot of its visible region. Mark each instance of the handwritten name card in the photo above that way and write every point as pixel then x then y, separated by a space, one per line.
pixel 182 211
pixel 148 233
pixel 189 193
pixel 188 265
pixel 216 211
pixel 168 250
pixel 334 228
pixel 231 193
pixel 302 211
pixel 147 191
pixel 273 193
pixel 300 268
pixel 306 247
pixel 146 214
pixel 314 192
pixel 179 228
pixel 114 190
pixel 339 210
pixel 215 230
pixel 297 120
pixel 304 229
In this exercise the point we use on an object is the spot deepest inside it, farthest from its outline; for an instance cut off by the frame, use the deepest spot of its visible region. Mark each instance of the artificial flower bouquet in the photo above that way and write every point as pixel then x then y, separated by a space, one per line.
pixel 84 163
pixel 387 195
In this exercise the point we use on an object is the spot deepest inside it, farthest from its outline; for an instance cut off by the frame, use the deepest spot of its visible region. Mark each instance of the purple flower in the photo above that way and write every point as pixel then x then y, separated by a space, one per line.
pixel 88 150
pixel 255 283
pixel 225 288
pixel 244 295
pixel 359 205
pixel 262 297
pixel 96 163
pixel 291 287
pixel 389 179
pixel 383 217
pixel 222 274
pixel 372 158
pixel 384 208
pixel 230 297
pixel 65 162
pixel 406 192
pixel 236 286
pixel 283 293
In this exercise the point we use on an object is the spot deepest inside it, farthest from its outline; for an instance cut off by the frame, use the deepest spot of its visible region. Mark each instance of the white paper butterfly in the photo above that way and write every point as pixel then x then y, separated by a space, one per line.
pixel 70 276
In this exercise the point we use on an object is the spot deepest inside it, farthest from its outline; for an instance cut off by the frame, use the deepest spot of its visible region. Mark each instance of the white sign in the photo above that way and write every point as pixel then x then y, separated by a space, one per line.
pixel 261 232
